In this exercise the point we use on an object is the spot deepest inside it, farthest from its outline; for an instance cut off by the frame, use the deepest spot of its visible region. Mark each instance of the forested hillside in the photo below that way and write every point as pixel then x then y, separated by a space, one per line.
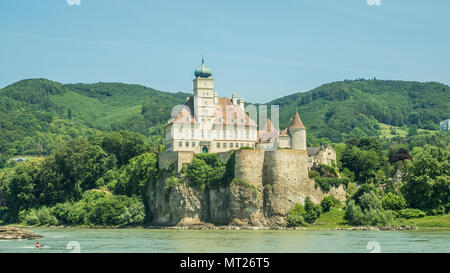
pixel 340 110
pixel 38 115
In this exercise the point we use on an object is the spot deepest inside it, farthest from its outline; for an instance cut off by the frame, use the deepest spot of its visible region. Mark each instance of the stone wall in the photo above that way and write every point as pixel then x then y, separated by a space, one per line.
pixel 266 185
pixel 177 158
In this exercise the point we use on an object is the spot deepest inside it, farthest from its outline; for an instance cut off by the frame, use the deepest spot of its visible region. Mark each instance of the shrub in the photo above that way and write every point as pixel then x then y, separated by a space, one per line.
pixel 40 216
pixel 313 211
pixel 393 201
pixel 353 214
pixel 327 171
pixel 205 170
pixel 170 183
pixel 295 216
pixel 329 202
pixel 326 183
pixel 370 201
pixel 363 189
pixel 313 174
pixel 410 213
pixel 369 213
pixel 99 208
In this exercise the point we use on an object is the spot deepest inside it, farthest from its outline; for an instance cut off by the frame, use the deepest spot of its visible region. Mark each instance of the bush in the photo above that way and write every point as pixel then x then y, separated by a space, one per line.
pixel 41 216
pixel 170 183
pixel 313 211
pixel 362 190
pixel 99 208
pixel 295 216
pixel 410 213
pixel 393 201
pixel 329 202
pixel 353 214
pixel 327 171
pixel 370 201
pixel 369 213
pixel 205 170
pixel 326 183
pixel 313 174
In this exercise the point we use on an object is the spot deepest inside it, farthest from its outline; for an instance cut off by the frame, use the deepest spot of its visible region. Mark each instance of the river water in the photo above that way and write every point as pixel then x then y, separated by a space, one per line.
pixel 154 241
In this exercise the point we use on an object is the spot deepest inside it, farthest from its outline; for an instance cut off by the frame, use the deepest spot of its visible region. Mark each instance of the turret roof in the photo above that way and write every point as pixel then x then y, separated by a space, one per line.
pixel 296 122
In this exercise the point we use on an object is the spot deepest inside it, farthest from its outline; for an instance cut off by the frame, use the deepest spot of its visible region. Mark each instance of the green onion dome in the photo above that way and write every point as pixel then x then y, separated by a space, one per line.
pixel 203 71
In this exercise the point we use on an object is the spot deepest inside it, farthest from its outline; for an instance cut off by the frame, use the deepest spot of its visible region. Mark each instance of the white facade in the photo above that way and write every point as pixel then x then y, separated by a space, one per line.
pixel 208 123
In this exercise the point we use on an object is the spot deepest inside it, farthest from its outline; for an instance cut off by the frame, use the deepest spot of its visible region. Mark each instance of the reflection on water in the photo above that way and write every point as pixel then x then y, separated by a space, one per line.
pixel 145 240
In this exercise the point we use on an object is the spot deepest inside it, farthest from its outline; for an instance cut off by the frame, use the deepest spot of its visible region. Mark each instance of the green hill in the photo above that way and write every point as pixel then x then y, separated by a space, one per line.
pixel 357 108
pixel 38 115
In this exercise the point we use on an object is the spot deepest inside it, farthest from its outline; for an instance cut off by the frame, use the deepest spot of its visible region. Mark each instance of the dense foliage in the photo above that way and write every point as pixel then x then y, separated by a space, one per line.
pixel 300 215
pixel 31 188
pixel 38 116
pixel 427 179
pixel 353 109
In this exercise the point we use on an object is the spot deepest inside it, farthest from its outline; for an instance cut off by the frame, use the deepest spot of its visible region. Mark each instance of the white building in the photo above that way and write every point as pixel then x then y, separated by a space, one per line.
pixel 444 125
pixel 208 123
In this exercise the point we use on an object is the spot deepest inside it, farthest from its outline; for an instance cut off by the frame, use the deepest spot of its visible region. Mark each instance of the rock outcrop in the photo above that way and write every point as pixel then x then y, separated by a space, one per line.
pixel 266 185
pixel 11 233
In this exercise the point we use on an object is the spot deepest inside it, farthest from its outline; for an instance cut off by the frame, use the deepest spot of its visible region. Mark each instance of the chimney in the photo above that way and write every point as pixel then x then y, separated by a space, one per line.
pixel 234 99
pixel 216 98
pixel 241 103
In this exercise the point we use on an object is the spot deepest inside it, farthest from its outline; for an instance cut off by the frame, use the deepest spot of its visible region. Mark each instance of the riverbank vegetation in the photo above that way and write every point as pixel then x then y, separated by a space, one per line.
pixel 99 143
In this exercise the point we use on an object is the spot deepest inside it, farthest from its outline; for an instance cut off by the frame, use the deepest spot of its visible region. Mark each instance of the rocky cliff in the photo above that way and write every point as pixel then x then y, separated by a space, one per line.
pixel 266 185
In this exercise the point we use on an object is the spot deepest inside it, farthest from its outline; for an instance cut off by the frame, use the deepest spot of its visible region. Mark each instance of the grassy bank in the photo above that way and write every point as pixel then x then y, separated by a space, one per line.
pixel 335 219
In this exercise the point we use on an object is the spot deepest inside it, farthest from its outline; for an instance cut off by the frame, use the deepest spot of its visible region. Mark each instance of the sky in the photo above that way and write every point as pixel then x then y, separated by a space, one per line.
pixel 259 49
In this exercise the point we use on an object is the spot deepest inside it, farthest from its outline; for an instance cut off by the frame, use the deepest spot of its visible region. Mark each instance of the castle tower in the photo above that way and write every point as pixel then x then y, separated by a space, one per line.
pixel 203 93
pixel 298 133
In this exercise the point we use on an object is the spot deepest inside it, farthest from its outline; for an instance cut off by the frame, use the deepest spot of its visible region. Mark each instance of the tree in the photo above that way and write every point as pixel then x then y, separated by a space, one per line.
pixel 393 201
pixel 427 178
pixel 312 211
pixel 138 172
pixel 124 145
pixel 80 165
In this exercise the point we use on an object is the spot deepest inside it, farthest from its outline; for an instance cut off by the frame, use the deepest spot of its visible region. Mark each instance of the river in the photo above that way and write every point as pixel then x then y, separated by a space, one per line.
pixel 153 241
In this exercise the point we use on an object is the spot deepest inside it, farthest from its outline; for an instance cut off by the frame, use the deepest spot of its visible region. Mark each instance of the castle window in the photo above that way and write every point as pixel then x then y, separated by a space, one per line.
pixel 193 144
pixel 218 144
pixel 231 145
pixel 237 145
pixel 224 144
pixel 180 144
pixel 224 134
pixel 187 144
pixel 242 144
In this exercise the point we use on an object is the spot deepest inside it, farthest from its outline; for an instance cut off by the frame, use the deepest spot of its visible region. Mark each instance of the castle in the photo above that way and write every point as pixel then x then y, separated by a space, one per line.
pixel 208 123
pixel 268 179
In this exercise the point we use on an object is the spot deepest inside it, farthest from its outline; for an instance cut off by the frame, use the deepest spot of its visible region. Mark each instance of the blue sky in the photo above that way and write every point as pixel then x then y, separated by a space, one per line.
pixel 260 49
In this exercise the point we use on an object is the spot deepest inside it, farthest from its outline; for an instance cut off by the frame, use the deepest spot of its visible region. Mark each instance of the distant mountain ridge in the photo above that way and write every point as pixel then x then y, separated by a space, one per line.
pixel 37 115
